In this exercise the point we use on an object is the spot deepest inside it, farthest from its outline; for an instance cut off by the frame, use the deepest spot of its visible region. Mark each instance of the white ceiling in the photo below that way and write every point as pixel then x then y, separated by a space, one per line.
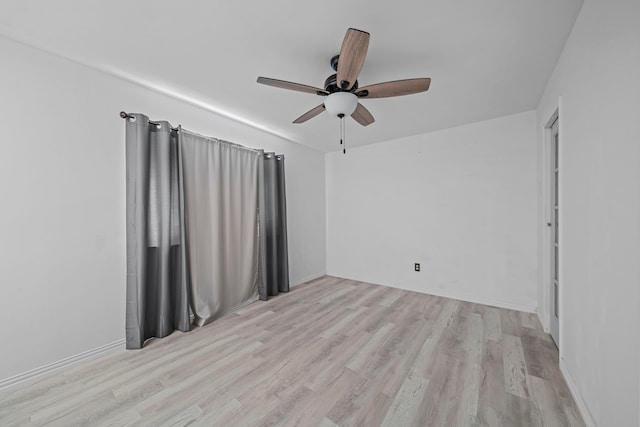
pixel 486 58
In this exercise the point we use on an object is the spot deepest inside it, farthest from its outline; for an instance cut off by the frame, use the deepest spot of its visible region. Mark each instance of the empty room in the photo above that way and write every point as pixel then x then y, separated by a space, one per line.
pixel 410 213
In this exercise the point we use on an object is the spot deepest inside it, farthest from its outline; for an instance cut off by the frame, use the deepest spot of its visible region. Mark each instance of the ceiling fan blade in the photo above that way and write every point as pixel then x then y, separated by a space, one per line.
pixel 352 55
pixel 310 114
pixel 394 88
pixel 291 86
pixel 362 115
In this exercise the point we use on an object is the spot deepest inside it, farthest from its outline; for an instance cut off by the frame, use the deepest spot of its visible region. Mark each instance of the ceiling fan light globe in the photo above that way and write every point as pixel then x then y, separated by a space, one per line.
pixel 341 103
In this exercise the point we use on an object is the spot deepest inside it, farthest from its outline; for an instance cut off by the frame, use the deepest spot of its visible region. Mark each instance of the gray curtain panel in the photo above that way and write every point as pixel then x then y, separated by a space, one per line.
pixel 221 199
pixel 157 281
pixel 206 228
pixel 274 263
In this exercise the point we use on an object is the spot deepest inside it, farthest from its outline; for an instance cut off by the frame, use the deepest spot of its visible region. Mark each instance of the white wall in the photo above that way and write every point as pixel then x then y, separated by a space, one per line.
pixel 597 80
pixel 462 202
pixel 62 186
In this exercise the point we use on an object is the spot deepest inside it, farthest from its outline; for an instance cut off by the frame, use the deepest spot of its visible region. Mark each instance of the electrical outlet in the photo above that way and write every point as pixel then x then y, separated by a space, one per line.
pixel 416 266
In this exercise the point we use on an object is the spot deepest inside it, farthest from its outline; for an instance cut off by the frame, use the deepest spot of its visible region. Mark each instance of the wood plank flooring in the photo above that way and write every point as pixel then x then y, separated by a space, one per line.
pixel 331 352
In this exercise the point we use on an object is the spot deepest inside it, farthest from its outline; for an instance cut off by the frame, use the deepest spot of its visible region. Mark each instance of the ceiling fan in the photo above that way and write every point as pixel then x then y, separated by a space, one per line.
pixel 341 89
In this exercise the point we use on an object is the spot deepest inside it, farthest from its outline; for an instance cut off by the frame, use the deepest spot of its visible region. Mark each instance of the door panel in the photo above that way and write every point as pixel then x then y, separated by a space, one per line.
pixel 555 234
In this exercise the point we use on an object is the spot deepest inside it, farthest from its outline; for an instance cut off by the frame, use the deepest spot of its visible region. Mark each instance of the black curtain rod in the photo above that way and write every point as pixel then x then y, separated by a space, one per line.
pixel 124 115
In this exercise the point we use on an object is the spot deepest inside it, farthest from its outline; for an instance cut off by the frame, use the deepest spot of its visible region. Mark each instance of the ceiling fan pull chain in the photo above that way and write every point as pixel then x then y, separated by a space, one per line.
pixel 341 117
pixel 344 136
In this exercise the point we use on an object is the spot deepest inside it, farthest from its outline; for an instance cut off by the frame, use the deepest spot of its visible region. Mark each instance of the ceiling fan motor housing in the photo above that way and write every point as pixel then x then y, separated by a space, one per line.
pixel 331 85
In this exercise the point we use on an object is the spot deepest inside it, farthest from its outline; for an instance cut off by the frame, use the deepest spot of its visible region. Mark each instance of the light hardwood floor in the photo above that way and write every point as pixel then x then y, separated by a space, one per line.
pixel 330 352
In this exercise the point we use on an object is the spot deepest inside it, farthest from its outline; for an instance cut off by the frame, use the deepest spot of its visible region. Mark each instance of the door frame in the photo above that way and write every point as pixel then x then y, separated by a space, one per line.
pixel 546 217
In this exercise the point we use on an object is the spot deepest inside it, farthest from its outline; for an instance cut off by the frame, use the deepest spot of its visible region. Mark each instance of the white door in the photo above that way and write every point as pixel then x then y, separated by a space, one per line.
pixel 555 241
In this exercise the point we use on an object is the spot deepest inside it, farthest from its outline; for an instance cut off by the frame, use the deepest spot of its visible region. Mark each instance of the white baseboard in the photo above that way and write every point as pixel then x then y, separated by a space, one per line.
pixel 543 321
pixel 461 297
pixel 64 363
pixel 308 278
pixel 582 406
pixel 486 301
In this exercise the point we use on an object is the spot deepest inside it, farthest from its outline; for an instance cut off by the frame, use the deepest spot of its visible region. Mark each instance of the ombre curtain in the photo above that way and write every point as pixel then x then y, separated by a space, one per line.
pixel 206 228
pixel 274 262
pixel 157 278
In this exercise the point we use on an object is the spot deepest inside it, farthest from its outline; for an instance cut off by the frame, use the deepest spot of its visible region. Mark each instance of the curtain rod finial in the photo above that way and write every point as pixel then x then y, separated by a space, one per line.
pixel 124 115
